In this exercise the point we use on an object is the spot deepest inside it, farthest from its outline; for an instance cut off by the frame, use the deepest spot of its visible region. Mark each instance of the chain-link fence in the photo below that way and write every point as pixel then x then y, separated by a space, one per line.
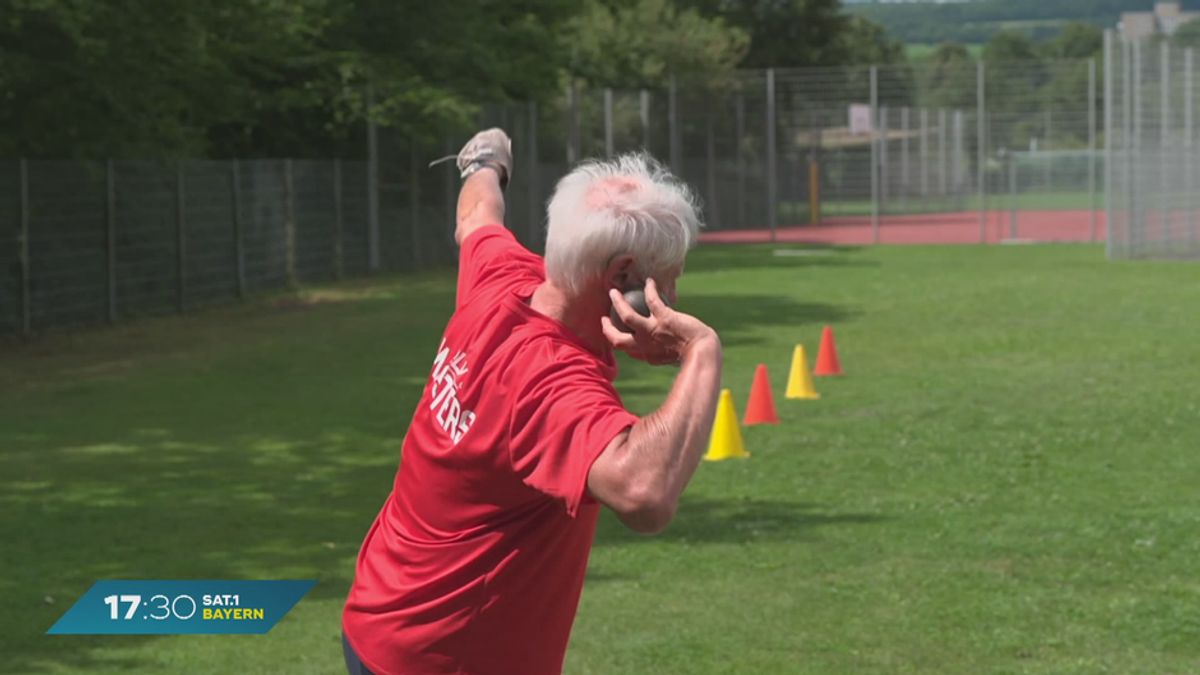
pixel 948 151
pixel 1150 122
pixel 956 151
pixel 105 241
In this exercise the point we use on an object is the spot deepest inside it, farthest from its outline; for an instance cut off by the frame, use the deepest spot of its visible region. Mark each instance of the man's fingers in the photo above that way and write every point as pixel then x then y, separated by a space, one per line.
pixel 653 300
pixel 629 316
pixel 616 337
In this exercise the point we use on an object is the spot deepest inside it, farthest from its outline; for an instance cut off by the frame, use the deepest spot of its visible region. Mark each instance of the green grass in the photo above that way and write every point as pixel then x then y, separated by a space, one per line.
pixel 1005 481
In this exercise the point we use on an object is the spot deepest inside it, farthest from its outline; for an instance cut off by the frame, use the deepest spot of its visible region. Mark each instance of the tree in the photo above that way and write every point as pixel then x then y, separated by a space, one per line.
pixel 1009 46
pixel 1078 40
pixel 951 77
pixel 1187 35
pixel 146 78
pixel 785 33
pixel 639 44
pixel 867 42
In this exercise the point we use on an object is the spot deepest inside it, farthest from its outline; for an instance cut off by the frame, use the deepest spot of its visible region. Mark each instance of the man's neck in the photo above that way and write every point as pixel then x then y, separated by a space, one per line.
pixel 583 318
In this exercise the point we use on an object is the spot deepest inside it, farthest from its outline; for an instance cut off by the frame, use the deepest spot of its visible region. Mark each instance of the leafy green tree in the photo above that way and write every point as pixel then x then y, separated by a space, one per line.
pixel 639 44
pixel 785 33
pixel 1078 40
pixel 1187 35
pixel 951 77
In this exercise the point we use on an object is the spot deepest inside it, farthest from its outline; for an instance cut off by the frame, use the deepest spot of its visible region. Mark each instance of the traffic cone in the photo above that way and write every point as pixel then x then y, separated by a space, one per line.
pixel 726 438
pixel 760 409
pixel 800 384
pixel 827 357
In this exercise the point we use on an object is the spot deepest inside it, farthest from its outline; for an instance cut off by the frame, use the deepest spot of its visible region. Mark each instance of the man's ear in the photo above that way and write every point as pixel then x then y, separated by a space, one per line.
pixel 619 274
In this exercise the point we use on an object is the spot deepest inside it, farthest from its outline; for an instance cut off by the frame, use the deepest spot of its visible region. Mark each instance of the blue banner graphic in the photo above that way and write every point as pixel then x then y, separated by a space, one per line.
pixel 181 607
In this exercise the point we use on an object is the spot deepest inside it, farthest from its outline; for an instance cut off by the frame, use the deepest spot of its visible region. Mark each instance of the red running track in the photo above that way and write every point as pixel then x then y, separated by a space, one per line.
pixel 935 228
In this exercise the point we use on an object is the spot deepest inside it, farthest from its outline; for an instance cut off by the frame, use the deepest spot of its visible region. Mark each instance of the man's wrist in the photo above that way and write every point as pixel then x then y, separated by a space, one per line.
pixel 501 172
pixel 704 348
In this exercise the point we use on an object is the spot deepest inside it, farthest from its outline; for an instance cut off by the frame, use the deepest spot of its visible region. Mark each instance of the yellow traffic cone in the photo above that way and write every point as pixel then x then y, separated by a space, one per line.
pixel 800 383
pixel 726 438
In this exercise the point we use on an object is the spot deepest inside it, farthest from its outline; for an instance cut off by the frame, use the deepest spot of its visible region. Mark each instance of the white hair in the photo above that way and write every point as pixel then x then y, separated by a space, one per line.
pixel 628 205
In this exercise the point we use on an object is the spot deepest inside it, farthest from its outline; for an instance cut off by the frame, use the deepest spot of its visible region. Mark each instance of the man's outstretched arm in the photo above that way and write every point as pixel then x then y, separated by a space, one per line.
pixel 480 203
pixel 485 163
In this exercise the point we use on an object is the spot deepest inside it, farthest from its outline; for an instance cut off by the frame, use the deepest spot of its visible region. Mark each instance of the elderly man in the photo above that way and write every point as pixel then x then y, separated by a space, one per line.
pixel 476 562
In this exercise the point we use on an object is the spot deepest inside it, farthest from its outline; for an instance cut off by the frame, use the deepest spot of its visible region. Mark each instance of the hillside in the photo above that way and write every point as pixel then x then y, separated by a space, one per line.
pixel 977 22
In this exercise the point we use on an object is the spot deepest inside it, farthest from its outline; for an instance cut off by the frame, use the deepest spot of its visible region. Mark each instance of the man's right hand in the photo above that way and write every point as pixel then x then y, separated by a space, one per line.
pixel 665 337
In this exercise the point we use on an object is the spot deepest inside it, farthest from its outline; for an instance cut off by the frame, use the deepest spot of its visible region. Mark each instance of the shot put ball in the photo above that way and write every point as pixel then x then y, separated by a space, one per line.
pixel 636 299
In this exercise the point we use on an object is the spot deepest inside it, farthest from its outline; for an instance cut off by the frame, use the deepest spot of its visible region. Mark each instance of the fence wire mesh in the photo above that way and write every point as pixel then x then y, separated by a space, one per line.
pixel 1152 200
pixel 942 152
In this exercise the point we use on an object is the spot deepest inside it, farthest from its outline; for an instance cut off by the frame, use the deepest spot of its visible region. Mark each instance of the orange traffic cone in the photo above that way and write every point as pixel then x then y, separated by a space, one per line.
pixel 761 407
pixel 827 358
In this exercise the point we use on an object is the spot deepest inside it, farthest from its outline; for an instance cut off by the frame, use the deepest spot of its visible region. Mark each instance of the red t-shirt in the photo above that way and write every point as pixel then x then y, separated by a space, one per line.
pixel 476 562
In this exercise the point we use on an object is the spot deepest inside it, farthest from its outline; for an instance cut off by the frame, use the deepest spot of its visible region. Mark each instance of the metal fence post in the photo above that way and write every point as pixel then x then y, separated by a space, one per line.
pixel 884 157
pixel 1164 176
pixel 905 186
pixel 110 203
pixel 1127 139
pixel 573 140
pixel 415 203
pixel 373 239
pixel 1046 166
pixel 942 152
pixel 339 259
pixel 180 240
pixel 673 121
pixel 740 115
pixel 924 157
pixel 772 187
pixel 644 104
pixel 26 304
pixel 710 147
pixel 875 154
pixel 1189 144
pixel 239 254
pixel 1092 144
pixel 1012 197
pixel 535 208
pixel 238 250
pixel 608 122
pixel 289 223
pixel 1109 142
pixel 982 154
pixel 1136 174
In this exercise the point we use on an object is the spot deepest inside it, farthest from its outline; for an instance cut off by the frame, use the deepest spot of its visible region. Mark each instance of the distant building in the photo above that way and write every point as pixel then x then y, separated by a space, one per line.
pixel 1166 18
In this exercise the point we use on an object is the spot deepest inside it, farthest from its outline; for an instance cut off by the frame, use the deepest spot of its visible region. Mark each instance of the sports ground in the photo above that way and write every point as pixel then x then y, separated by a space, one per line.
pixel 1004 481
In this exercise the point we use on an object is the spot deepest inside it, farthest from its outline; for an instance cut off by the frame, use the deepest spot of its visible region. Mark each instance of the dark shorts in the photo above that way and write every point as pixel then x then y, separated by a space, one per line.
pixel 353 664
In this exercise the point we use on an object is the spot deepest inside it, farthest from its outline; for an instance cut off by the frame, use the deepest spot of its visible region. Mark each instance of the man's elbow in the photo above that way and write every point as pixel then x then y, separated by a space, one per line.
pixel 647 511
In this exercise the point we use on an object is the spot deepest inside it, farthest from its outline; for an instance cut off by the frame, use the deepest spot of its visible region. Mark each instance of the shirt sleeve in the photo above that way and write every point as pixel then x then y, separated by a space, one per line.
pixel 493 259
pixel 565 416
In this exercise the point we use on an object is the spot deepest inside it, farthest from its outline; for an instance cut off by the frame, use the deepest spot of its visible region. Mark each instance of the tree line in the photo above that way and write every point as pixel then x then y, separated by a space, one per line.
pixel 978 22
pixel 268 78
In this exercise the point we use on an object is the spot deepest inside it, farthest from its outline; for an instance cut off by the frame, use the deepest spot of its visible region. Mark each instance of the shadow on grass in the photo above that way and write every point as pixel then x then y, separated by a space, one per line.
pixel 708 521
pixel 726 257
pixel 155 506
pixel 738 318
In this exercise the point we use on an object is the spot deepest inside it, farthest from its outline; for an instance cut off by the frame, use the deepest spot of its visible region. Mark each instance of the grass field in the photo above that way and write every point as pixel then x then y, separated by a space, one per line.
pixel 1005 481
